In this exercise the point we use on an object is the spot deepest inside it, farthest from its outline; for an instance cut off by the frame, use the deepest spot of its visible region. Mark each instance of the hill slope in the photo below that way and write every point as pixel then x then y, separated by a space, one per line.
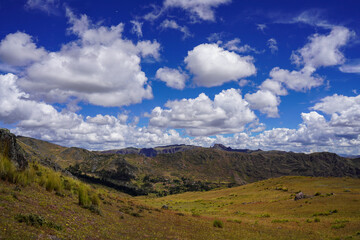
pixel 179 168
pixel 267 214
pixel 330 209
pixel 38 203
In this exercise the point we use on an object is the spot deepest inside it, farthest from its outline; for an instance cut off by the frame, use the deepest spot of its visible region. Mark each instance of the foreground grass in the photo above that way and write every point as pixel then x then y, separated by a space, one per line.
pixel 121 218
pixel 332 210
pixel 39 203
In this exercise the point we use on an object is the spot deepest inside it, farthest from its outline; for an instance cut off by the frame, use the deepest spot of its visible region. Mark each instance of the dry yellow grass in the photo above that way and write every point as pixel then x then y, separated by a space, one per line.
pixel 269 204
pixel 262 210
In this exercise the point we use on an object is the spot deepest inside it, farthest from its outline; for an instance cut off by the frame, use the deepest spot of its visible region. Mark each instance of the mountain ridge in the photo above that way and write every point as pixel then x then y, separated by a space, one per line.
pixel 178 168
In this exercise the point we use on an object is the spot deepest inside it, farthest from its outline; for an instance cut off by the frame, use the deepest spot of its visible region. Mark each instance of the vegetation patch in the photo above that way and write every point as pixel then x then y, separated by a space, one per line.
pixel 37 221
pixel 51 181
pixel 338 226
pixel 218 224
pixel 330 212
pixel 281 188
pixel 234 221
pixel 337 221
pixel 280 221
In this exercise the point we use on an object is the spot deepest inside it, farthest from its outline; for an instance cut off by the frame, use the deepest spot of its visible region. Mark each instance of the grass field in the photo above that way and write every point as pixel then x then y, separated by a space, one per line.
pixel 331 210
pixel 262 210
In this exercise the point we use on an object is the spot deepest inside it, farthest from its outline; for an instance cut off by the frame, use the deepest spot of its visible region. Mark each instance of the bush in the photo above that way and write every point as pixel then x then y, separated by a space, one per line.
pixel 84 200
pixel 135 214
pixel 37 221
pixel 325 213
pixel 7 170
pixel 31 219
pixel 94 209
pixel 218 224
pixel 317 220
pixel 94 198
pixel 280 221
pixel 25 177
pixel 53 182
pixel 338 226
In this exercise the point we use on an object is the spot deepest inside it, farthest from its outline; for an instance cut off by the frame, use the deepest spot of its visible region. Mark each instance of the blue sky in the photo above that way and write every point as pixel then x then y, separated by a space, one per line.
pixel 248 74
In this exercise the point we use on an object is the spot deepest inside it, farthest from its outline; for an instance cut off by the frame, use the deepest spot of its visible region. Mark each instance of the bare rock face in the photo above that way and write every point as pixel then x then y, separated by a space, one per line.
pixel 9 148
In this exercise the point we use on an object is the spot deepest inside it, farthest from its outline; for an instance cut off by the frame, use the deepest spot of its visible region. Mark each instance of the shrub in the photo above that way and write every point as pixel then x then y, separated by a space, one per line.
pixel 25 177
pixel 7 170
pixel 338 226
pixel 325 213
pixel 31 219
pixel 317 220
pixel 68 184
pixel 37 221
pixel 84 200
pixel 280 221
pixel 53 182
pixel 135 214
pixel 94 209
pixel 218 224
pixel 94 198
pixel 265 215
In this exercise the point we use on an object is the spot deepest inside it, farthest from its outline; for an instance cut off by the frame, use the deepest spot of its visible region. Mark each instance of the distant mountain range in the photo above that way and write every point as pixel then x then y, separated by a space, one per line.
pixel 178 168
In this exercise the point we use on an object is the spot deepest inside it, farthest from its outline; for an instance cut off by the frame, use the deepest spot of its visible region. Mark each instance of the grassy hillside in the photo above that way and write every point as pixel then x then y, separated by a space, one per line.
pixel 181 168
pixel 40 203
pixel 330 210
pixel 247 212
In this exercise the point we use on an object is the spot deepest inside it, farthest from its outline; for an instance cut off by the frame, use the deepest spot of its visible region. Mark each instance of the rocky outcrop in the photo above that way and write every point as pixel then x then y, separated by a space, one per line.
pixel 299 196
pixel 229 149
pixel 10 149
pixel 153 152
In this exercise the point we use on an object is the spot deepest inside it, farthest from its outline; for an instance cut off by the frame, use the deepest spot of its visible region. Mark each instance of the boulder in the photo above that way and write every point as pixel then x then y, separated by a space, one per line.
pixel 299 196
pixel 10 149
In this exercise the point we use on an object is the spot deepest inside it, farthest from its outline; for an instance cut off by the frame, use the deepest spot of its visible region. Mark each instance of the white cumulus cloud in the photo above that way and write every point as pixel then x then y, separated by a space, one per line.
pixel 43 121
pixel 201 116
pixel 296 80
pixel 214 66
pixel 19 49
pixel 323 50
pixel 100 67
pixel 172 77
pixel 265 101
